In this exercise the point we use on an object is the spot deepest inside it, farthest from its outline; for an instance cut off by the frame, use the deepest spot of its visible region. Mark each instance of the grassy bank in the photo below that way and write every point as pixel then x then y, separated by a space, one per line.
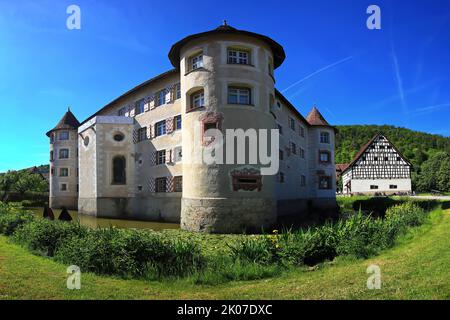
pixel 417 268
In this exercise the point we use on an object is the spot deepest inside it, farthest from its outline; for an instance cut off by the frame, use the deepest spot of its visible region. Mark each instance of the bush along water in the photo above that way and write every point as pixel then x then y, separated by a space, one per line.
pixel 152 255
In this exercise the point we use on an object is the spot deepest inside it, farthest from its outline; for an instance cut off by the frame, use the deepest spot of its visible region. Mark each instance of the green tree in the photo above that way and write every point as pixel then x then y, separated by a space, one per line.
pixel 435 173
pixel 29 182
pixel 7 182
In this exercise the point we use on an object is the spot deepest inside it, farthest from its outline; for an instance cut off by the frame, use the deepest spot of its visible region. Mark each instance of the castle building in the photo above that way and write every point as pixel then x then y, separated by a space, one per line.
pixel 137 157
pixel 377 169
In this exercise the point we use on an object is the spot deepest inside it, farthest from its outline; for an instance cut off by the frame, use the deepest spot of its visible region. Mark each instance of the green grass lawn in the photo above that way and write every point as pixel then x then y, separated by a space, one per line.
pixel 417 268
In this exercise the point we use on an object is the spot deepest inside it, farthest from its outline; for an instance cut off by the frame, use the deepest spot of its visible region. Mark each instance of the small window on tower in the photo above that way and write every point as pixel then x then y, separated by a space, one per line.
pixel 64 135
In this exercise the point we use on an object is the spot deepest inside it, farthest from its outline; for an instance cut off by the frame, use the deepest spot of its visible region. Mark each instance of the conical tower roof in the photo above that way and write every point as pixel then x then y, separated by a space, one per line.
pixel 67 122
pixel 315 118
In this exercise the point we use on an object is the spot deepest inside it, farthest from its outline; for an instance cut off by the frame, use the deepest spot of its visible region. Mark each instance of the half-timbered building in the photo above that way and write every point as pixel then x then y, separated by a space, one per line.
pixel 377 169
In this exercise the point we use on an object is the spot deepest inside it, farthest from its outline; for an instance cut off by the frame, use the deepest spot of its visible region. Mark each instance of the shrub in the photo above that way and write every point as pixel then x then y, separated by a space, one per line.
pixel 12 221
pixel 130 253
pixel 44 236
pixel 255 249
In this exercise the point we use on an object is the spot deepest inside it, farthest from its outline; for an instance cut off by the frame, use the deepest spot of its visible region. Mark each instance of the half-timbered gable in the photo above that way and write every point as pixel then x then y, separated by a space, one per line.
pixel 378 168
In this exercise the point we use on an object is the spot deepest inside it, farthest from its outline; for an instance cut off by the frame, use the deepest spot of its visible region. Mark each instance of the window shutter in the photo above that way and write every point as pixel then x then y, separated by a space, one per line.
pixel 152 104
pixel 169 125
pixel 132 111
pixel 149 132
pixel 169 184
pixel 135 136
pixel 151 185
pixel 147 104
pixel 153 158
pixel 169 156
pixel 168 95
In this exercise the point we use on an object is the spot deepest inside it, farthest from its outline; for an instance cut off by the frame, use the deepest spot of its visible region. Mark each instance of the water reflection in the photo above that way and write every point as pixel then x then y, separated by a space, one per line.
pixel 93 222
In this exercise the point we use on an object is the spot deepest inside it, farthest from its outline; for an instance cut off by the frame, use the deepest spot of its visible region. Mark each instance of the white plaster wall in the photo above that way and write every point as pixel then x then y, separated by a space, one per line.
pixel 363 186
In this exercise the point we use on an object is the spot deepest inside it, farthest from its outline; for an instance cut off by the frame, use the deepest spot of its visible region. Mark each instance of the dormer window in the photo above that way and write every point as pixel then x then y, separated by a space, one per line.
pixel 196 62
pixel 239 95
pixel 237 56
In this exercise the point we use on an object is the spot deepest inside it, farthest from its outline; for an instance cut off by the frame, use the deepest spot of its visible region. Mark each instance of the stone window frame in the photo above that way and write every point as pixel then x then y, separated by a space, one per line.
pixel 66 187
pixel 160 97
pixel 239 89
pixel 247 179
pixel 160 157
pixel 161 185
pixel 328 154
pixel 139 107
pixel 207 119
pixel 64 137
pixel 237 55
pixel 142 134
pixel 292 123
pixel 293 147
pixel 178 120
pixel 163 125
pixel 326 137
pixel 196 61
pixel 328 180
pixel 52 156
pixel 60 155
pixel 115 181
pixel 66 171
pixel 197 96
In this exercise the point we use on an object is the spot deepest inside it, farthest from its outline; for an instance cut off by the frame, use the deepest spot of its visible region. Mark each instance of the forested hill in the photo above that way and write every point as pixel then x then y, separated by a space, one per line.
pixel 417 147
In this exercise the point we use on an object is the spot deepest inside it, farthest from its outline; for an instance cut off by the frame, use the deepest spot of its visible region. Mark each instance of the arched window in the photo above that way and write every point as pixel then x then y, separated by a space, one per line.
pixel 119 170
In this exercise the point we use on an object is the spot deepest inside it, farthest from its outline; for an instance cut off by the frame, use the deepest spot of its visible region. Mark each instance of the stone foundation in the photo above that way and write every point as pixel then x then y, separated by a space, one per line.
pixel 71 203
pixel 220 215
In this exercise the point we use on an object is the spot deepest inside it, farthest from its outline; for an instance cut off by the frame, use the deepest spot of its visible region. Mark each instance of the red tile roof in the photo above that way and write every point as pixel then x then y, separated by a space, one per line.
pixel 315 118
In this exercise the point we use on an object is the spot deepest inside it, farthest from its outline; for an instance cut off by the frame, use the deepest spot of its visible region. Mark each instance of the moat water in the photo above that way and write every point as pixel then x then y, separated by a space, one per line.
pixel 93 222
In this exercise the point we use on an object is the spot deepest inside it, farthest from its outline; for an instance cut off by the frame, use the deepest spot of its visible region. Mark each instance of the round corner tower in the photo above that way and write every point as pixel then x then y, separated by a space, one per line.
pixel 227 84
pixel 64 163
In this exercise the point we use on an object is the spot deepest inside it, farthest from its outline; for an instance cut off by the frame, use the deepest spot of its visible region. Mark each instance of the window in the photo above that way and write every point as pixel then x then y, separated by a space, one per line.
pixel 63 187
pixel 375 158
pixel 291 123
pixel 281 155
pixel 160 98
pixel 178 122
pixel 363 158
pixel 64 153
pixel 196 61
pixel 302 153
pixel 302 181
pixel 389 147
pixel 139 107
pixel 280 177
pixel 198 99
pixel 142 134
pixel 270 67
pixel 279 105
pixel 399 159
pixel 63 172
pixel 64 135
pixel 178 184
pixel 139 188
pixel 160 157
pixel 52 171
pixel 51 156
pixel 324 182
pixel 239 96
pixel 393 186
pixel 280 129
pixel 122 111
pixel 386 159
pixel 293 148
pixel 373 187
pixel 160 128
pixel 52 138
pixel 178 91
pixel 324 156
pixel 381 147
pixel 161 185
pixel 302 131
pixel 238 56
pixel 324 137
pixel 178 154
pixel 119 173
pixel 118 137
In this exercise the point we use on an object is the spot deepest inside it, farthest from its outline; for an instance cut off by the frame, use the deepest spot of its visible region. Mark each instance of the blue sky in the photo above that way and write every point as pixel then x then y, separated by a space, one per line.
pixel 399 75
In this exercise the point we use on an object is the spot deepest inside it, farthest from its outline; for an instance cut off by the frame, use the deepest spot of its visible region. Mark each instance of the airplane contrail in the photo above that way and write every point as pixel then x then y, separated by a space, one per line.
pixel 317 72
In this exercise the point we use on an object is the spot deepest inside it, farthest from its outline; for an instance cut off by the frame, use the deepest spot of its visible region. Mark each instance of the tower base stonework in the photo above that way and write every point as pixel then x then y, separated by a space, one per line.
pixel 222 215
pixel 70 203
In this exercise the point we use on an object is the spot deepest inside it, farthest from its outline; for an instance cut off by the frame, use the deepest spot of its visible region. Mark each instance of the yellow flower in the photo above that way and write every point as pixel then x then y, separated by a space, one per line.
pixel 275 231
